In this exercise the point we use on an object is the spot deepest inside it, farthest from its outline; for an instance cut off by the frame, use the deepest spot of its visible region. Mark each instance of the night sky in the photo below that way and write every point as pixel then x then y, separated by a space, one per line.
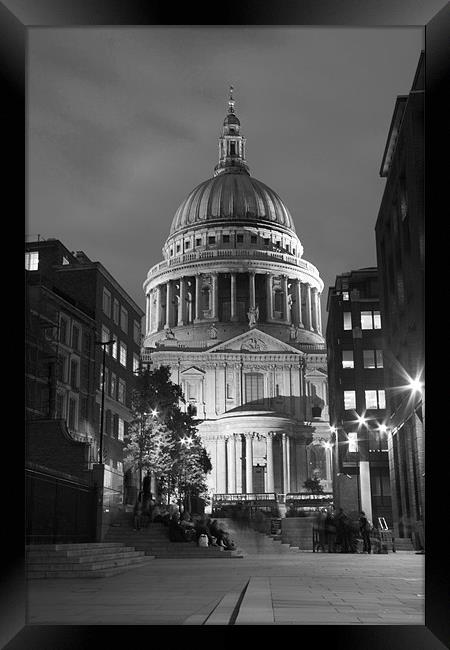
pixel 124 123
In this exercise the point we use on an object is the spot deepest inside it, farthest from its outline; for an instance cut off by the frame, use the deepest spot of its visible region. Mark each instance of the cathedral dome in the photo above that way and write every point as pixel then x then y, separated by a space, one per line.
pixel 229 196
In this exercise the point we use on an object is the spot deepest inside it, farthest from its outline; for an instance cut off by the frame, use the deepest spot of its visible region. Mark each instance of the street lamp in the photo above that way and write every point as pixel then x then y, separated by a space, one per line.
pixel 103 344
pixel 187 442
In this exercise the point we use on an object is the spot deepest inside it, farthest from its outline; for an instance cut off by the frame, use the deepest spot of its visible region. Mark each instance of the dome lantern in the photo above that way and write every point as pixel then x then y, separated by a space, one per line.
pixel 231 143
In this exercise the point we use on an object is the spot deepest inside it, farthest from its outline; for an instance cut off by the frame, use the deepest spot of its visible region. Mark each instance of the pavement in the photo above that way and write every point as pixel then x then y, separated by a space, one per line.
pixel 298 588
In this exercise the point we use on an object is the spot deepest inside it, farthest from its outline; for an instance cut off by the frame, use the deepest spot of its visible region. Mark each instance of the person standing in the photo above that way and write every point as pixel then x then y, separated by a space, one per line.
pixel 364 529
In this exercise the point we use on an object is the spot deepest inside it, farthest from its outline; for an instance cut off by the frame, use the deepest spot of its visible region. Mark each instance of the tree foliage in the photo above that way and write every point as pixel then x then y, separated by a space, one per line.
pixel 163 439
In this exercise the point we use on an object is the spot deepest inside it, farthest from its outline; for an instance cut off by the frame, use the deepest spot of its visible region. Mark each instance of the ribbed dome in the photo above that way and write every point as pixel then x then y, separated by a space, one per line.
pixel 228 196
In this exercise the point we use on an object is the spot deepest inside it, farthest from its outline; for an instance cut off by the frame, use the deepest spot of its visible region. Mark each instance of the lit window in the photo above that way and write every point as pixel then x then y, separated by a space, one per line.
pixel 114 349
pixel 353 442
pixel 123 354
pixel 32 261
pixel 370 320
pixel 347 359
pixel 369 358
pixel 107 302
pixel 124 319
pixel 349 399
pixel 347 320
pixel 120 467
pixel 120 428
pixel 135 363
pixel 113 385
pixel 375 399
pixel 345 295
pixel 379 358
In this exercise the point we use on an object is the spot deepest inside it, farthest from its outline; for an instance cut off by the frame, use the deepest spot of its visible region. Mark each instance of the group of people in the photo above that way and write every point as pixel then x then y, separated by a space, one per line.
pixel 201 529
pixel 337 532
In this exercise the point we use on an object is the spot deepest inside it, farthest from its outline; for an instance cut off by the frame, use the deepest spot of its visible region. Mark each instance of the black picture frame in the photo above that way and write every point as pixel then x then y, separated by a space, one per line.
pixel 15 20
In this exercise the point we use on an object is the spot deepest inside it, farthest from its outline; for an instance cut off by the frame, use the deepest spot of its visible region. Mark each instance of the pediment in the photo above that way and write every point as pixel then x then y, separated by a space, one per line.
pixel 255 341
pixel 310 374
pixel 193 371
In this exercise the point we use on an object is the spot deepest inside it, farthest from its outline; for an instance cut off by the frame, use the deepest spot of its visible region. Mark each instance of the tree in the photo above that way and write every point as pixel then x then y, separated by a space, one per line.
pixel 163 439
pixel 313 485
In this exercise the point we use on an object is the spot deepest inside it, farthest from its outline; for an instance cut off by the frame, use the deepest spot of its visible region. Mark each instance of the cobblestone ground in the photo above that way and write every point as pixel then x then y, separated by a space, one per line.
pixel 289 588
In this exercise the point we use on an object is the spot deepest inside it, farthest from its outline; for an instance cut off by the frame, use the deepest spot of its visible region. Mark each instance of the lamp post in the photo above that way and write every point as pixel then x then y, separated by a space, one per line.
pixel 103 344
pixel 187 442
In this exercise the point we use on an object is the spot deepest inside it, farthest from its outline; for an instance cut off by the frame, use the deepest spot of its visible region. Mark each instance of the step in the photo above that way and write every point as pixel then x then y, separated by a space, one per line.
pixel 88 566
pixel 63 547
pixel 49 559
pixel 77 553
pixel 99 573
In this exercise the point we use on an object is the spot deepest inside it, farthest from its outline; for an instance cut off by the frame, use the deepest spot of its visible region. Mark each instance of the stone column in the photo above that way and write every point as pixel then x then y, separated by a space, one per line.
pixel 238 461
pixel 158 308
pixel 249 462
pixel 298 299
pixel 308 307
pixel 251 286
pixel 233 315
pixel 284 459
pixel 269 297
pixel 319 314
pixel 147 313
pixel 168 302
pixel 231 455
pixel 288 463
pixel 314 308
pixel 284 283
pixel 269 466
pixel 197 298
pixel 221 466
pixel 215 296
pixel 182 303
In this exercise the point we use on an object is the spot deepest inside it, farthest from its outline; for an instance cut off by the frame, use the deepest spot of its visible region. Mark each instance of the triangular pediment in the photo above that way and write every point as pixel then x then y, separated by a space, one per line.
pixel 193 371
pixel 255 341
pixel 310 374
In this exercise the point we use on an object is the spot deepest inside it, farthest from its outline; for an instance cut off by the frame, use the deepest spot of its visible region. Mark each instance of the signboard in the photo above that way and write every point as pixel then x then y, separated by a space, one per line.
pixel 275 526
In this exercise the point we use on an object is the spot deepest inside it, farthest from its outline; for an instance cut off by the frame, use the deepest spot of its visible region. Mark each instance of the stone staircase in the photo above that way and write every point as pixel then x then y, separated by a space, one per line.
pixel 253 542
pixel 88 560
pixel 154 540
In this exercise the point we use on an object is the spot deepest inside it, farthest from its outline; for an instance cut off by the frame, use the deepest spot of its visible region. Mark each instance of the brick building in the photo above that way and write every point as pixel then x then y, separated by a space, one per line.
pixel 400 254
pixel 73 303
pixel 356 388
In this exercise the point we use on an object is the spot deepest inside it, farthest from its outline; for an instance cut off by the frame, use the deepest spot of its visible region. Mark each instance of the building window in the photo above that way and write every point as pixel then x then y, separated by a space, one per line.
pixel 113 385
pixel 60 406
pixel 71 415
pixel 114 349
pixel 226 239
pixel 32 261
pixel 373 358
pixel 108 422
pixel 120 428
pixel 349 399
pixel 64 330
pixel 205 297
pixel 105 337
pixel 107 302
pixel 62 368
pixel 239 239
pixel 116 311
pixel 253 239
pixel 229 392
pixel 124 319
pixel 121 391
pixel 74 373
pixel 76 337
pixel 347 320
pixel 254 388
pixel 353 442
pixel 347 359
pixel 123 354
pixel 370 320
pixel 198 241
pixel 375 399
pixel 137 332
pixel 266 241
pixel 136 363
pixel 345 295
pixel 178 248
pixel 211 239
pixel 278 301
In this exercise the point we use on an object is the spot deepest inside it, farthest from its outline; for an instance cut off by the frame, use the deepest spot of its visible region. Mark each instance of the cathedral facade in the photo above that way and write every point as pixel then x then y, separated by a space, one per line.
pixel 234 310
